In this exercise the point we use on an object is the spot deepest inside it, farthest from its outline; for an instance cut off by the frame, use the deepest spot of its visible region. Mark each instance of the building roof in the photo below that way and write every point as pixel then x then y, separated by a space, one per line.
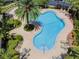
pixel 62 3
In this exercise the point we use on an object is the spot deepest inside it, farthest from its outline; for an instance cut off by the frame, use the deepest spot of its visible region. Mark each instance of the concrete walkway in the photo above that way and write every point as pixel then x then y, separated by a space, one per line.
pixel 57 50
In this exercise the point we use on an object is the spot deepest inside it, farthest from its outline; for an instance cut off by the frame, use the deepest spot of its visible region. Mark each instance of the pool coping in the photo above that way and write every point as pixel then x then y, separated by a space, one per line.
pixel 65 31
pixel 39 32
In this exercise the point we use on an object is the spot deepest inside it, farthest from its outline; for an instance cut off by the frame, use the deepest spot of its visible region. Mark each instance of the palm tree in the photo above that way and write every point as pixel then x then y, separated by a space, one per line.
pixel 73 52
pixel 74 8
pixel 27 10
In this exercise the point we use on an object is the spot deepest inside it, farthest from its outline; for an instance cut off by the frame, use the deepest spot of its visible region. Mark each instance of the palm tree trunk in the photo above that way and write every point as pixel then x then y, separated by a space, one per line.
pixel 27 18
pixel 4 20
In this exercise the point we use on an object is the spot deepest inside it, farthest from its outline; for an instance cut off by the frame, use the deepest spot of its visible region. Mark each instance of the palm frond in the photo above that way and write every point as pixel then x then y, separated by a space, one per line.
pixel 27 9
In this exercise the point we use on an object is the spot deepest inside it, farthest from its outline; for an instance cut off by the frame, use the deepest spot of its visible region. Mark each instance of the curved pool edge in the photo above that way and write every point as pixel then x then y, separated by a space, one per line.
pixel 65 31
pixel 42 28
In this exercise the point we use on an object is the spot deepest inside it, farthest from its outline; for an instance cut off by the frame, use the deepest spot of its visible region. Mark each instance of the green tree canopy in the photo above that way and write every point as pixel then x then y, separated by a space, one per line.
pixel 27 10
pixel 74 3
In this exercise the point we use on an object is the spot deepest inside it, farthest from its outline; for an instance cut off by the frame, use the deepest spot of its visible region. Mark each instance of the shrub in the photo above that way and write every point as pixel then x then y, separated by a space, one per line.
pixel 10 53
pixel 12 43
pixel 15 57
pixel 14 23
pixel 7 7
pixel 29 27
pixel 76 24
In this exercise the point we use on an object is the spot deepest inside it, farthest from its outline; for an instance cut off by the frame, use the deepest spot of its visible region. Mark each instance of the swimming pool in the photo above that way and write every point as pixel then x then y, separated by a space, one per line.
pixel 51 25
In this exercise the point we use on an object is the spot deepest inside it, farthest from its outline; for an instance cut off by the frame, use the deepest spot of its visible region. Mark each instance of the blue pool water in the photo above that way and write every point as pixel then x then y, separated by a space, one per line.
pixel 51 26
